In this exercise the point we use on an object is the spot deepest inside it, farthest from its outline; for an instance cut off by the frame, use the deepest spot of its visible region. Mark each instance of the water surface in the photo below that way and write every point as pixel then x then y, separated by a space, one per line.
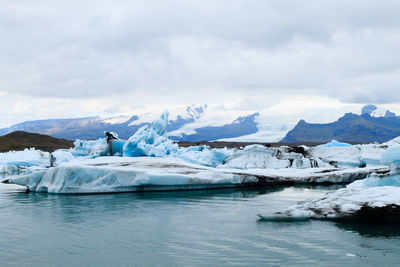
pixel 197 228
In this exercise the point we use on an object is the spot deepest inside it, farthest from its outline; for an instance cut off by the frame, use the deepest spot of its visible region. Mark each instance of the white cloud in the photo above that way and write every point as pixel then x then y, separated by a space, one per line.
pixel 98 57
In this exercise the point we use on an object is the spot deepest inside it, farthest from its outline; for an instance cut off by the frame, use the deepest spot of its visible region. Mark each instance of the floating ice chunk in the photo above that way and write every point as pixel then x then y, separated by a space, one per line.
pixel 151 141
pixel 377 203
pixel 335 143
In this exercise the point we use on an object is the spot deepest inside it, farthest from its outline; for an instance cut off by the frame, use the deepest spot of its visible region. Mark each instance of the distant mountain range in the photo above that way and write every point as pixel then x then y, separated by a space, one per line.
pixel 364 128
pixel 199 123
pixel 125 126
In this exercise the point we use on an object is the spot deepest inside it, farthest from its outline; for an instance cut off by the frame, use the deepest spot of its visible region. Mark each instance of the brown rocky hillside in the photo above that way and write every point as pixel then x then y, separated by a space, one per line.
pixel 20 140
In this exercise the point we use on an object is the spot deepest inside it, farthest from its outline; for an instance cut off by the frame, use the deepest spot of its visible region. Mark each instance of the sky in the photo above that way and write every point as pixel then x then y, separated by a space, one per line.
pixel 63 59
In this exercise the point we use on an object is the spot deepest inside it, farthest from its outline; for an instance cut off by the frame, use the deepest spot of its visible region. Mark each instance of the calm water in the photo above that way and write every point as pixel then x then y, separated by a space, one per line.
pixel 202 228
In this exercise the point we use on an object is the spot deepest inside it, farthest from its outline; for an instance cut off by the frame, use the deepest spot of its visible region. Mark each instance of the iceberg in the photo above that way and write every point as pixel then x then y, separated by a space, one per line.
pixel 376 197
pixel 129 174
pixel 149 161
pixel 370 204
pixel 151 141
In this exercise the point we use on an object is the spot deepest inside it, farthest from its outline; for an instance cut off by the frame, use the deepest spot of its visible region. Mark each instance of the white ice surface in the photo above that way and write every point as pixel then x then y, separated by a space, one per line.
pixel 345 202
pixel 117 174
pixel 26 158
pixel 340 156
pixel 89 147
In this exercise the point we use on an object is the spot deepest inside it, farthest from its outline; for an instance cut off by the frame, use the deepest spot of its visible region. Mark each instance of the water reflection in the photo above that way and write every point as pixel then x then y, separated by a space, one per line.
pixel 387 230
pixel 83 207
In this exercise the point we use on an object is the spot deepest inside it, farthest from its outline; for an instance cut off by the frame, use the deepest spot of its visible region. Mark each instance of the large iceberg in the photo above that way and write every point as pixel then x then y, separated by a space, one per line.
pixel 151 140
pixel 122 174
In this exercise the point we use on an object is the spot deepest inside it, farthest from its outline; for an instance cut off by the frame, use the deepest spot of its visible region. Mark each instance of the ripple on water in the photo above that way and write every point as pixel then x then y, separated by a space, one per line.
pixel 202 228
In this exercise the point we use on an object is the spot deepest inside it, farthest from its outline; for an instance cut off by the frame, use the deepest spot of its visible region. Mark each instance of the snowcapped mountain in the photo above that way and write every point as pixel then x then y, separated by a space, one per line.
pixel 209 123
pixel 373 125
pixel 193 123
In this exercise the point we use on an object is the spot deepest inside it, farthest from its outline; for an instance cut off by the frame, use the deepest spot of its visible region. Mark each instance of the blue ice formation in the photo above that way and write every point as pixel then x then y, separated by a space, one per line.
pixel 92 148
pixel 115 148
pixel 203 155
pixel 334 143
pixel 151 140
pixel 391 157
pixel 376 181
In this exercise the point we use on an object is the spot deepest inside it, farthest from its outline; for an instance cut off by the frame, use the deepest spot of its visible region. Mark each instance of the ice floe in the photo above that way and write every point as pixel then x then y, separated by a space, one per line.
pixel 376 203
pixel 122 174
pixel 376 197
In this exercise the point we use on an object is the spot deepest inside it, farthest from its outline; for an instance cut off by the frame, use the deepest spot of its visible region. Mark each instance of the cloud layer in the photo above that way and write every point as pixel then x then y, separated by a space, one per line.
pixel 246 54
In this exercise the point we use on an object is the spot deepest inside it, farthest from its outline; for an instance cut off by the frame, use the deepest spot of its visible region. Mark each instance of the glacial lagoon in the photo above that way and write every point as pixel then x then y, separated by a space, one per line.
pixel 184 228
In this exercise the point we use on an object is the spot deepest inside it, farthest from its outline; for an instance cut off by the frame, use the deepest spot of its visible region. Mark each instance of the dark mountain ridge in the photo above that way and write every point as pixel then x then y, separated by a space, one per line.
pixel 351 127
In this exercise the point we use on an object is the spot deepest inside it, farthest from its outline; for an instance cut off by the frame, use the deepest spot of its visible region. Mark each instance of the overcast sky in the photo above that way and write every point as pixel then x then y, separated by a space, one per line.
pixel 83 58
